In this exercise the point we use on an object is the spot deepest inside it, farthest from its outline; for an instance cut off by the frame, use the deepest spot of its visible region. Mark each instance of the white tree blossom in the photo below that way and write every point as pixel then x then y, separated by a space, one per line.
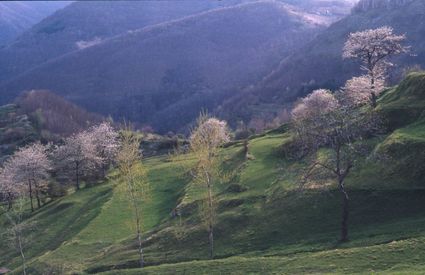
pixel 315 104
pixel 78 157
pixel 373 47
pixel 106 143
pixel 357 89
pixel 28 167
pixel 9 190
pixel 210 133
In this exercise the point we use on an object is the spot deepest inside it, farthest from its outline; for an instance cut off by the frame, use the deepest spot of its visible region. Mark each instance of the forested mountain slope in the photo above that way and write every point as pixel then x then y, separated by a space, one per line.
pixel 85 23
pixel 18 16
pixel 40 116
pixel 165 74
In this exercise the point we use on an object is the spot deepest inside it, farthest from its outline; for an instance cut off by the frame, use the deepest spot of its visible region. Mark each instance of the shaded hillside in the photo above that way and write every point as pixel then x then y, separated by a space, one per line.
pixel 44 116
pixel 265 225
pixel 365 5
pixel 163 75
pixel 53 115
pixel 40 116
pixel 333 10
pixel 19 16
pixel 320 63
pixel 84 23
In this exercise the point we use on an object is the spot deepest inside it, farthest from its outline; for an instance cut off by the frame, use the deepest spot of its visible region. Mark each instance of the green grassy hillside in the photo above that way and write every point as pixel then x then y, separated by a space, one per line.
pixel 266 224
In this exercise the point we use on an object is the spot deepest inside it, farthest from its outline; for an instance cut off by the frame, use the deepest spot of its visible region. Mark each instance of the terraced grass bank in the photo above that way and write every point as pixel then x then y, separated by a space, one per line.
pixel 265 223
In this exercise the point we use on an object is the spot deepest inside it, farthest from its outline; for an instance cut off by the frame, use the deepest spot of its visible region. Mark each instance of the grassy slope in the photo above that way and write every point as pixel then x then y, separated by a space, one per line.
pixel 265 224
pixel 59 222
pixel 112 222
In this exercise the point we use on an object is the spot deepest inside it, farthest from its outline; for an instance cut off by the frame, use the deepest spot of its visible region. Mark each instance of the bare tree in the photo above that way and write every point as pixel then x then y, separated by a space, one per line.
pixel 133 182
pixel 321 121
pixel 373 47
pixel 77 156
pixel 28 166
pixel 205 141
pixel 18 230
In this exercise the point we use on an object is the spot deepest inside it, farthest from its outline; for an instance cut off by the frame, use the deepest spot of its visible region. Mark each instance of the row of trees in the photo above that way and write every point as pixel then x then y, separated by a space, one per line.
pixel 87 155
pixel 31 169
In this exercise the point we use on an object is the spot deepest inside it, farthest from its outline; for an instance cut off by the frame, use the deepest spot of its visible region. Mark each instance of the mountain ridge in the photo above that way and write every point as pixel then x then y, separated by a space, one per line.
pixel 18 16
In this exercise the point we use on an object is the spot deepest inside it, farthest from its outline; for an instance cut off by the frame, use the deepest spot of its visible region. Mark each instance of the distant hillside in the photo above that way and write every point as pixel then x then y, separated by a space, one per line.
pixel 331 9
pixel 19 16
pixel 40 116
pixel 165 74
pixel 320 63
pixel 84 23
pixel 53 116
pixel 366 5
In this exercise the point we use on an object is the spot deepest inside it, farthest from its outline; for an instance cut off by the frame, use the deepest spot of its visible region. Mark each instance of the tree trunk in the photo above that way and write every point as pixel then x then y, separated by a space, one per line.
pixel 139 238
pixel 345 212
pixel 104 169
pixel 141 256
pixel 21 251
pixel 37 196
pixel 373 99
pixel 30 187
pixel 139 231
pixel 9 201
pixel 245 148
pixel 211 240
pixel 373 96
pixel 211 217
pixel 77 174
